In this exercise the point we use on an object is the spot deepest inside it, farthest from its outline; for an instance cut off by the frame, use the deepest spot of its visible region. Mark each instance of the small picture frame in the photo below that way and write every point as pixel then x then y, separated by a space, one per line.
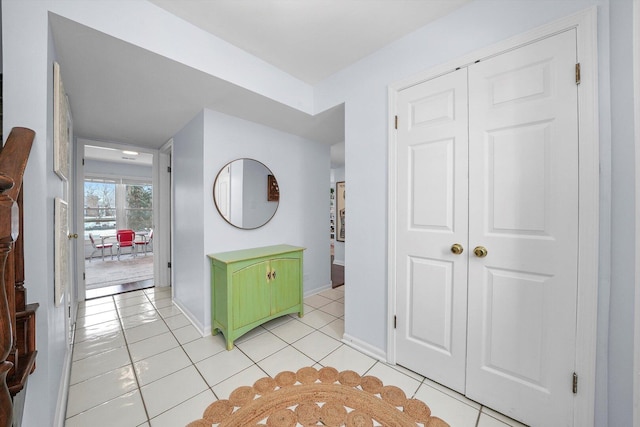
pixel 273 191
pixel 340 211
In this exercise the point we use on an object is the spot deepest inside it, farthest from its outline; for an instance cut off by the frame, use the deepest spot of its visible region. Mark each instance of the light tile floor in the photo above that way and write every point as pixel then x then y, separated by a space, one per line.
pixel 138 361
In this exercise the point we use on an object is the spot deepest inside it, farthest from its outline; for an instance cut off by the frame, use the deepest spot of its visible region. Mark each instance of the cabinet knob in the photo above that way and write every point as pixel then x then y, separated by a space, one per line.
pixel 268 275
pixel 273 274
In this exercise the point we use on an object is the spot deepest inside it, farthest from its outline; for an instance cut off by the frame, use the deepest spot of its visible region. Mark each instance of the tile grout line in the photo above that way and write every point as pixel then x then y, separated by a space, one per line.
pixel 103 373
pixel 193 364
pixel 133 368
pixel 179 345
pixel 311 309
pixel 126 345
pixel 121 328
pixel 267 330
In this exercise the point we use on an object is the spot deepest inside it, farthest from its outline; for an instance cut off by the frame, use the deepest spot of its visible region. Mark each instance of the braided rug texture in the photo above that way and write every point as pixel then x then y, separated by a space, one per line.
pixel 311 397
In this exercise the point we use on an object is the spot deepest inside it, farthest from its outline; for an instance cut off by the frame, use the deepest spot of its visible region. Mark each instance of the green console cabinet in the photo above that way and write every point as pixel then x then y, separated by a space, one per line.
pixel 252 286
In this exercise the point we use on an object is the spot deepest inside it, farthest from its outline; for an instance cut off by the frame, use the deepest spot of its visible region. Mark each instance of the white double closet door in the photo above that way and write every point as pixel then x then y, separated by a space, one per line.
pixel 487 159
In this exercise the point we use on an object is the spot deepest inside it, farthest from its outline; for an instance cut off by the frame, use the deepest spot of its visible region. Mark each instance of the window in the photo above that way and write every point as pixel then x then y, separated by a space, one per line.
pixel 138 208
pixel 99 206
pixel 112 204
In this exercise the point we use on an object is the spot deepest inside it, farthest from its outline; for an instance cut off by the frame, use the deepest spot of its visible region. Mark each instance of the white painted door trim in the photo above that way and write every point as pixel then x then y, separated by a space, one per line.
pixel 163 246
pixel 585 24
pixel 78 186
pixel 80 176
pixel 636 95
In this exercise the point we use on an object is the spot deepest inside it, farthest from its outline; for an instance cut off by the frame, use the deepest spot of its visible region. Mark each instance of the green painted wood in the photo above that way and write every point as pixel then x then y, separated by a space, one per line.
pixel 245 293
pixel 219 298
pixel 284 292
pixel 251 294
pixel 247 254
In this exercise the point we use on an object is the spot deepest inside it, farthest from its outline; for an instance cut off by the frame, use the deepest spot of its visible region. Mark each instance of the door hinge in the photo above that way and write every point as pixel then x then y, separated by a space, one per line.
pixel 168 169
pixel 578 73
pixel 168 265
pixel 395 322
pixel 396 122
pixel 575 383
pixel 82 162
pixel 83 276
pixel 69 312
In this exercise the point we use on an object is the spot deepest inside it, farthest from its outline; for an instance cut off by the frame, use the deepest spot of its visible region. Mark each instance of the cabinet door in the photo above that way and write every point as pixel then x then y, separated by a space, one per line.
pixel 285 287
pixel 251 295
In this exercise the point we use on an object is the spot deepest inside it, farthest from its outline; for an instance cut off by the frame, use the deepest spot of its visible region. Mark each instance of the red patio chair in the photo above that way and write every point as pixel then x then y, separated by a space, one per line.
pixel 100 247
pixel 145 242
pixel 126 240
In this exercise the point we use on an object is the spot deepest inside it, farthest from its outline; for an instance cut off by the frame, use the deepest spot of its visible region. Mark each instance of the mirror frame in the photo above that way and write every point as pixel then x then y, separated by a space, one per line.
pixel 267 190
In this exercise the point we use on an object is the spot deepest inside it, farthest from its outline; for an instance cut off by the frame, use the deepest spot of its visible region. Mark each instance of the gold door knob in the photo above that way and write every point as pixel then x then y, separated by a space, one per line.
pixel 73 236
pixel 480 251
pixel 457 248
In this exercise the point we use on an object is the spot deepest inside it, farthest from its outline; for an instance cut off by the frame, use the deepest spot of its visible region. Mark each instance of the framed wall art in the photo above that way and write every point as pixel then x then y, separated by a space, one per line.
pixel 61 250
pixel 340 212
pixel 60 126
pixel 273 191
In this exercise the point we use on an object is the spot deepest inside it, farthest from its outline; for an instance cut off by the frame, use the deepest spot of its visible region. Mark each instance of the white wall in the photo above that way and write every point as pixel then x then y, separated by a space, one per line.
pixel 188 173
pixel 27 102
pixel 302 170
pixel 620 381
pixel 363 88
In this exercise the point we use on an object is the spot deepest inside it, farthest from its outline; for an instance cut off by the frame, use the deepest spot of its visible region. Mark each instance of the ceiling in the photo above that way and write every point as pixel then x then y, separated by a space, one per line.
pixel 114 155
pixel 310 39
pixel 122 93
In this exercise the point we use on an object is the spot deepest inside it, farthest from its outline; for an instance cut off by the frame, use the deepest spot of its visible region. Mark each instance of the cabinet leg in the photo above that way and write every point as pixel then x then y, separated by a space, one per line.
pixel 229 345
pixel 215 331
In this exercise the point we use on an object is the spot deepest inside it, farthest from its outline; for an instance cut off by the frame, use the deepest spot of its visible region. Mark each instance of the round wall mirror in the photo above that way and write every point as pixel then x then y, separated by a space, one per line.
pixel 246 193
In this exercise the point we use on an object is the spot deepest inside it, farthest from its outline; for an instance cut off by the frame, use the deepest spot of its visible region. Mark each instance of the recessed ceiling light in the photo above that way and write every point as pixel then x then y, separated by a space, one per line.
pixel 131 153
pixel 100 148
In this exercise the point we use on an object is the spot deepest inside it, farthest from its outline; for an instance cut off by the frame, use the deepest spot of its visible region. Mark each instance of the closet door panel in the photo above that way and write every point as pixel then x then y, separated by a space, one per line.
pixel 432 216
pixel 523 198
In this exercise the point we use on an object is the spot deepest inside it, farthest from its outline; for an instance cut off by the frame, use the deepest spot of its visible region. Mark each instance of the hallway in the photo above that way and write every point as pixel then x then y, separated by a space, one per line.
pixel 132 349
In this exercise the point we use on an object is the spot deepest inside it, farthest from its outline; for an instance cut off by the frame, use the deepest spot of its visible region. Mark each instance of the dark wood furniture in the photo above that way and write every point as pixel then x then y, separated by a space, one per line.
pixel 17 318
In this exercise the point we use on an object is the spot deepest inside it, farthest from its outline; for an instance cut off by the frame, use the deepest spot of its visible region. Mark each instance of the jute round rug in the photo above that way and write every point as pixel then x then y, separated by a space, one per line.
pixel 312 397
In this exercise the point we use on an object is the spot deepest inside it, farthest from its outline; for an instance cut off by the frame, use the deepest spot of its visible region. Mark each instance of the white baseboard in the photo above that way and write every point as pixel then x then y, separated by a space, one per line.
pixel 317 290
pixel 338 262
pixel 63 390
pixel 365 348
pixel 200 328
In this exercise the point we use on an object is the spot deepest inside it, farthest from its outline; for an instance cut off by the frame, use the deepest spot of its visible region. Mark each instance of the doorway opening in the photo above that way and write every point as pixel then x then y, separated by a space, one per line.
pixel 336 217
pixel 117 222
